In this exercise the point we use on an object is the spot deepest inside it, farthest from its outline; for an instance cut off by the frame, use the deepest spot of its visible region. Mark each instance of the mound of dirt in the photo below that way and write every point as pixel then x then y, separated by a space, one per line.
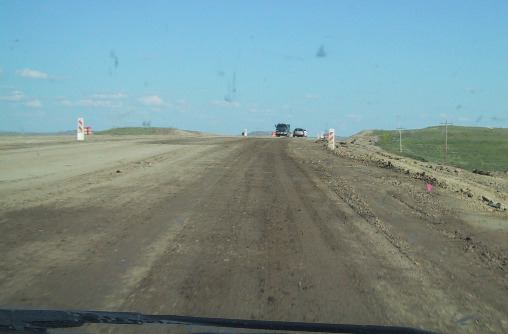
pixel 487 192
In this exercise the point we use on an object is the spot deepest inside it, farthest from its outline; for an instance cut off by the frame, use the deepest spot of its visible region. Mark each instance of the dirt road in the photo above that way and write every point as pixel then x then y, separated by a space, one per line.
pixel 256 228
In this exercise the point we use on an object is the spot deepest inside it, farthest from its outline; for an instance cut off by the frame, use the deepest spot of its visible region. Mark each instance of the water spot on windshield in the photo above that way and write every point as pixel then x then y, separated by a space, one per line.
pixel 321 53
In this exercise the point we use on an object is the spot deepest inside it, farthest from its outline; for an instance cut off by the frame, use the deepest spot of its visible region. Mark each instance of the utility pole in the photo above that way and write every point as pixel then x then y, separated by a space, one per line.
pixel 400 134
pixel 446 141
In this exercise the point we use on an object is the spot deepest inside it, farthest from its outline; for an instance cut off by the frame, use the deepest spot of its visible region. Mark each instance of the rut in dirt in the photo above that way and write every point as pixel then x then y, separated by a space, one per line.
pixel 258 228
pixel 262 241
pixel 269 237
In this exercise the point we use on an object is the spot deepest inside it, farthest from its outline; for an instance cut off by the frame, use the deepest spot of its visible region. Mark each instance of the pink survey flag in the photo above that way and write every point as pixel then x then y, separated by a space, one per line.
pixel 429 187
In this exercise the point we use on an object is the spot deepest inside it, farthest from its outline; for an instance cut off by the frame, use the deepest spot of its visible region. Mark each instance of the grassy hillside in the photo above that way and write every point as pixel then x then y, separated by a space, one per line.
pixel 468 147
pixel 137 131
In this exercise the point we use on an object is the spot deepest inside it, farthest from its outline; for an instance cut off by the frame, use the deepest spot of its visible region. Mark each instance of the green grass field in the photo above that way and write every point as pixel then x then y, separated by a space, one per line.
pixel 136 131
pixel 468 147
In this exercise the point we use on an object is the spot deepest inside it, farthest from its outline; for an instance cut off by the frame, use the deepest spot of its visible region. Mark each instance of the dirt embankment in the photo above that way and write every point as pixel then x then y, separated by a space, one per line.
pixel 483 193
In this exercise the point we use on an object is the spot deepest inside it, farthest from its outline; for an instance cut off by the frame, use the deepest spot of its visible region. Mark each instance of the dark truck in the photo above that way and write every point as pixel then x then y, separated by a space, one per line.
pixel 282 130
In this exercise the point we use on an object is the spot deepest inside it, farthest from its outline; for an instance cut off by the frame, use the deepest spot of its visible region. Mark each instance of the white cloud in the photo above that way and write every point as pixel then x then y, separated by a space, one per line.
pixel 19 98
pixel 110 96
pixel 97 100
pixel 34 103
pixel 453 117
pixel 91 103
pixel 224 103
pixel 267 111
pixel 14 96
pixel 152 100
pixel 28 73
pixel 31 113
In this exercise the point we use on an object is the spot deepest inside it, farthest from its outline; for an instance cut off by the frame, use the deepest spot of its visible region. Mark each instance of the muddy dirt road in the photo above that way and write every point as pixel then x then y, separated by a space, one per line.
pixel 255 228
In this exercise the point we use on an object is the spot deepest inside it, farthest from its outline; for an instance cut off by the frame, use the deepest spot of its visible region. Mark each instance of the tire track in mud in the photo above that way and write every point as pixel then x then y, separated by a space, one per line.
pixel 256 228
pixel 348 195
pixel 67 251
pixel 260 253
pixel 444 276
pixel 336 291
pixel 495 258
pixel 264 243
pixel 183 274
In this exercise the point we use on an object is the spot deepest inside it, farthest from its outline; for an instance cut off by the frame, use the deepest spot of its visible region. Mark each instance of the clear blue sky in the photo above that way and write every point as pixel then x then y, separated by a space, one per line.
pixel 222 66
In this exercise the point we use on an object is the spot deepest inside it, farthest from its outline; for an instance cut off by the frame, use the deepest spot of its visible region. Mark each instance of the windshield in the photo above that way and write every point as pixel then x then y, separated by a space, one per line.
pixel 337 162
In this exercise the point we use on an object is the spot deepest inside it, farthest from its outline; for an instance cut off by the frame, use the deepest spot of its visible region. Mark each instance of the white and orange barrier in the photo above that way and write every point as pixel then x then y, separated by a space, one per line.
pixel 81 129
pixel 331 139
